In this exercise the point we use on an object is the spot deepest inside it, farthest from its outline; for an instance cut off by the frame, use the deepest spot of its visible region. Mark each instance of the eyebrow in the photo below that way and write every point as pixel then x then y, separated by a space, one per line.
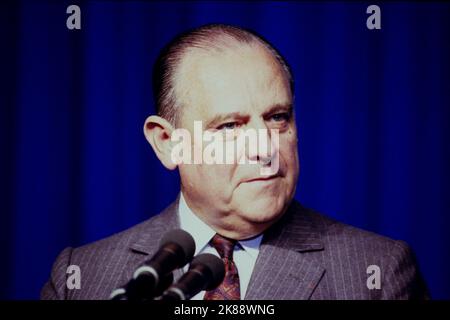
pixel 220 118
pixel 288 107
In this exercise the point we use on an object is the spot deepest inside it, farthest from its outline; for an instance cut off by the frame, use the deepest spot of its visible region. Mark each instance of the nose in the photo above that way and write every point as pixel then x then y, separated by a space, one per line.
pixel 264 149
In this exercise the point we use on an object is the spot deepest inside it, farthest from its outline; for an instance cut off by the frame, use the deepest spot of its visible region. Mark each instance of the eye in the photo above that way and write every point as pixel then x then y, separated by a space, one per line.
pixel 228 125
pixel 282 116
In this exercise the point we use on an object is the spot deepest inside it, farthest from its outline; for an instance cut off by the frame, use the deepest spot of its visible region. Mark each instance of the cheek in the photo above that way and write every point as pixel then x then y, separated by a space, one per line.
pixel 215 178
pixel 288 144
pixel 289 153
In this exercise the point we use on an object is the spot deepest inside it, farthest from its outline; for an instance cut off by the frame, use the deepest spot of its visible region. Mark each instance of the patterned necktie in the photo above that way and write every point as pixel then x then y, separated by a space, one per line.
pixel 229 289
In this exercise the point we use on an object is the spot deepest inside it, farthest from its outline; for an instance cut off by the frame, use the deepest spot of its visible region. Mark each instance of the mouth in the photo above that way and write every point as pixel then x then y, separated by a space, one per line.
pixel 263 179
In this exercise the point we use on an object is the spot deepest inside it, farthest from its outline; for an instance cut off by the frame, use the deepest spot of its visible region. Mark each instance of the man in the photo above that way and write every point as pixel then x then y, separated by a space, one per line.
pixel 231 80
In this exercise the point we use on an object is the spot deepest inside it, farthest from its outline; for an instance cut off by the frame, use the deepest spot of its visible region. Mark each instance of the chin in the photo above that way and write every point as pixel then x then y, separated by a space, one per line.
pixel 262 210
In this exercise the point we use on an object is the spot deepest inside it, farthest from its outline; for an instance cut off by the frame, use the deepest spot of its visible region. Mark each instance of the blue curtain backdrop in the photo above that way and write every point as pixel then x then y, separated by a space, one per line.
pixel 373 110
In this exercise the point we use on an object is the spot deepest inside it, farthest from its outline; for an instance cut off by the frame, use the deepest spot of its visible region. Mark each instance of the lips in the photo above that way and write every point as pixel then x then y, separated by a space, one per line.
pixel 268 178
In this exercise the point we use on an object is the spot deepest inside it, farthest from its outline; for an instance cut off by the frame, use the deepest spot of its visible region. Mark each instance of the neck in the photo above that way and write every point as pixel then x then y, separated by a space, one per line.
pixel 226 223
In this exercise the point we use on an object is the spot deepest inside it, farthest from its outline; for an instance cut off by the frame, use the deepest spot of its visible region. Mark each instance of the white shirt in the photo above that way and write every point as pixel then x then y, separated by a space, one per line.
pixel 244 258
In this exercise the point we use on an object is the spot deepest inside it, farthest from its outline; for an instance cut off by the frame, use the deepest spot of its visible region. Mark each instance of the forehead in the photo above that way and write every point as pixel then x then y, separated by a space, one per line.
pixel 246 79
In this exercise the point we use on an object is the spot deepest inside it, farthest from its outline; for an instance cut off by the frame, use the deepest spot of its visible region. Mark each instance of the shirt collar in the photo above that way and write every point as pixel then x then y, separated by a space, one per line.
pixel 251 246
pixel 203 233
pixel 189 222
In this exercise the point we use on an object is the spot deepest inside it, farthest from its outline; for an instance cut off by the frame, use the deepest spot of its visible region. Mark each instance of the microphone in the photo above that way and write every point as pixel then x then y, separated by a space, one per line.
pixel 206 272
pixel 140 289
pixel 176 248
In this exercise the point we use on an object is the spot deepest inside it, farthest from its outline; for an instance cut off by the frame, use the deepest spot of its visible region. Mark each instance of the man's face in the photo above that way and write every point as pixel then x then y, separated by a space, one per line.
pixel 242 88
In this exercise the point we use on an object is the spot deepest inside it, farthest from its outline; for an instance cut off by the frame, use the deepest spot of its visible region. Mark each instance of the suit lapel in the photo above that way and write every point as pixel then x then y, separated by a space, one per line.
pixel 155 230
pixel 286 267
pixel 147 240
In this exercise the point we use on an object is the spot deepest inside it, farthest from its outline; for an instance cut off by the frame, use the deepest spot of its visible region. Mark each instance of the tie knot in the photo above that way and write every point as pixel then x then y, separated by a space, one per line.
pixel 224 246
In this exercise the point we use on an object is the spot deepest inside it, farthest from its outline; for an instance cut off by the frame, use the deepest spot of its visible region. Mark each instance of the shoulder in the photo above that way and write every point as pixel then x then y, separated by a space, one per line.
pixel 105 263
pixel 337 234
pixel 351 254
pixel 117 241
pixel 357 243
pixel 148 231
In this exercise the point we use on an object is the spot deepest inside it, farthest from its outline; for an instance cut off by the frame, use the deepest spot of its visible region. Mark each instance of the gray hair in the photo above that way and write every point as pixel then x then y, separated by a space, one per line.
pixel 212 37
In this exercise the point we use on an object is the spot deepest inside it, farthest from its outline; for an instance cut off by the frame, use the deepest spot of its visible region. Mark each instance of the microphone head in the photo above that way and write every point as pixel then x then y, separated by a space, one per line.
pixel 181 238
pixel 215 266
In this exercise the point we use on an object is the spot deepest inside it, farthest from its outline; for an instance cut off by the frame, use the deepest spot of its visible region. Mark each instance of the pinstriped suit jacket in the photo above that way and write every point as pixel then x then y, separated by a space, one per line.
pixel 305 255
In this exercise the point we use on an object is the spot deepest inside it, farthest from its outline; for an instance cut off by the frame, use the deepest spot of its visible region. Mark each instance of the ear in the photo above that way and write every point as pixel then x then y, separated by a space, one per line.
pixel 158 131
